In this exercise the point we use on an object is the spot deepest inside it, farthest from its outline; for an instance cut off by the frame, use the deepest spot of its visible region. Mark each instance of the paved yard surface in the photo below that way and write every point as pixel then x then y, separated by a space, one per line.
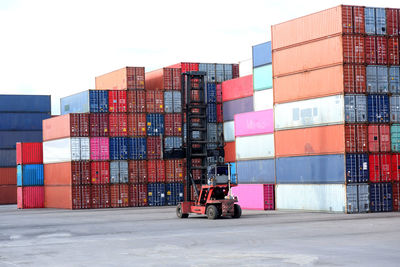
pixel 156 237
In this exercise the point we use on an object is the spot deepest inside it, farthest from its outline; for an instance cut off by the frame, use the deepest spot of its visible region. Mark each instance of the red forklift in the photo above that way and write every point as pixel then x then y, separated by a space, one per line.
pixel 214 197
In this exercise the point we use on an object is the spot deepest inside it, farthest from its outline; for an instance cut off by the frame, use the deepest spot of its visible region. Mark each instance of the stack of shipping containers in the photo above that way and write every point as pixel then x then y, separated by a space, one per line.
pixel 30 191
pixel 332 132
pixel 20 121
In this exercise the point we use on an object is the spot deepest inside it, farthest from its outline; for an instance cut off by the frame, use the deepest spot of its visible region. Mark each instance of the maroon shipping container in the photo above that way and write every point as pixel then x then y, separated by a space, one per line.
pixel 381 50
pixel 370 50
pixel 358 19
pixel 118 124
pixel 392 21
pixel 347 19
pixel 174 169
pixel 154 147
pixel 136 124
pixel 135 77
pixel 8 194
pixel 136 101
pixel 396 196
pixel 393 51
pixel 154 101
pixel 356 138
pixel 379 138
pixel 117 100
pixel 235 71
pixel 395 168
pixel 164 79
pixel 100 171
pixel 196 173
pixel 219 92
pixel 29 153
pixel 138 195
pixel 98 125
pixel 137 171
pixel 100 196
pixel 80 172
pixel 156 171
pixel 354 77
pixel 173 124
pixel 379 168
pixel 119 195
pixel 86 197
pixel 353 49
pixel 220 114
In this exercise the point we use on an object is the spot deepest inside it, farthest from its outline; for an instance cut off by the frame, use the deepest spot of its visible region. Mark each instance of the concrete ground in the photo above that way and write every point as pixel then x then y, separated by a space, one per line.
pixel 156 237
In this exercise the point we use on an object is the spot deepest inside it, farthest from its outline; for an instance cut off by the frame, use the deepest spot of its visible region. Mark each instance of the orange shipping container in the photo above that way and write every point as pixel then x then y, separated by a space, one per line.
pixel 230 152
pixel 164 79
pixel 8 194
pixel 67 173
pixel 65 126
pixel 8 176
pixel 122 79
pixel 310 141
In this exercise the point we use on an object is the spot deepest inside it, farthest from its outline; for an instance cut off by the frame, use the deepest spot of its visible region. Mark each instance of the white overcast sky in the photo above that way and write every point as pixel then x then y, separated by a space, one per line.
pixel 57 47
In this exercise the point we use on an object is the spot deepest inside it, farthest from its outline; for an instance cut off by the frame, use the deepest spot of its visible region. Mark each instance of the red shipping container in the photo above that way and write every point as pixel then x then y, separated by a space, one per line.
pixel 370 50
pixel 137 171
pixel 118 124
pixel 29 153
pixel 164 79
pixel 185 66
pixel 81 172
pixel 8 194
pixel 393 51
pixel 98 123
pixel 353 49
pixel 154 101
pixel 119 195
pixel 156 171
pixel 354 77
pixel 100 196
pixel 154 147
pixel 379 168
pixel 359 20
pixel 86 197
pixel 136 101
pixel 30 197
pixel 230 152
pixel 219 92
pixel 8 176
pixel 117 101
pixel 347 19
pixel 137 195
pixel 356 138
pixel 174 170
pixel 392 21
pixel 173 124
pixel 395 168
pixel 220 117
pixel 100 171
pixel 235 71
pixel 379 138
pixel 237 88
pixel 381 50
pixel 137 124
pixel 396 196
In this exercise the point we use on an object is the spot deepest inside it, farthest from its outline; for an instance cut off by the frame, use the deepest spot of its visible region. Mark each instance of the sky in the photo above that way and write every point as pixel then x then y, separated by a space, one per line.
pixel 58 47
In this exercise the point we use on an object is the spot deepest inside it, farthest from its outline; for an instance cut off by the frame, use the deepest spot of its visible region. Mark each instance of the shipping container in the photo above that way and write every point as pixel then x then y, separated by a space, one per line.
pixel 395 167
pixel 174 193
pixel 67 149
pixel 136 124
pixel 117 100
pixel 245 67
pixel 126 78
pixel 156 194
pixel 118 124
pixel 118 148
pixel 137 171
pixel 155 124
pixel 394 80
pixel 154 147
pixel 357 168
pixel 21 121
pixel 263 100
pixel 237 88
pixel 211 93
pixel 98 123
pixel 173 148
pixel 211 113
pixel 310 141
pixel 186 66
pixel 174 170
pixel 381 197
pixel 172 101
pixel 8 139
pixel 99 148
pixel 378 138
pixel 93 101
pixel 394 108
pixel 262 54
pixel 164 79
pixel 31 197
pixel 100 196
pixel 119 172
pixel 253 123
pixel 218 88
pixel 234 179
pixel 7 158
pixel 136 100
pixel 392 21
pixel 25 103
pixel 262 78
pixel 69 173
pixel 377 79
pixel 8 194
pixel 220 113
pixel 309 113
pixel 138 195
pixel 119 195
pixel 137 148
pixel 255 171
pixel 370 27
pixel 396 196
pixel 255 196
pixel 255 147
pixel 30 175
pixel 67 197
pixel 237 106
pixel 380 21
pixel 379 168
pixel 355 108
pixel 100 172
pixel 325 169
pixel 356 138
pixel 395 137
pixel 69 125
pixel 173 124
pixel 357 198
pixel 378 108
pixel 376 50
pixel 393 51
pixel 212 135
pixel 8 176
pixel 230 152
pixel 29 153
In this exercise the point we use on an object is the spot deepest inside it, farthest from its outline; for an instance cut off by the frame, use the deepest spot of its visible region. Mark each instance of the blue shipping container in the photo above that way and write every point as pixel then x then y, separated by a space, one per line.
pixel 381 197
pixel 394 80
pixel 30 175
pixel 155 124
pixel 118 148
pixel 262 54
pixel 8 139
pixel 94 101
pixel 380 21
pixel 211 112
pixel 378 108
pixel 25 103
pixel 22 121
pixel 156 194
pixel 357 170
pixel 211 93
pixel 137 148
pixel 369 13
pixel 8 158
pixel 326 169
pixel 234 179
pixel 174 193
pixel 256 171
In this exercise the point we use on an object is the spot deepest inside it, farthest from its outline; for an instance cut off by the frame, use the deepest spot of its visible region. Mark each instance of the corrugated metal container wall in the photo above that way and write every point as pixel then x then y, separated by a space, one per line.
pixel 229 131
pixel 381 197
pixel 245 67
pixel 118 148
pixel 68 125
pixel 262 54
pixel 394 80
pixel 137 148
pixel 119 195
pixel 93 101
pixel 253 123
pixel 237 88
pixel 22 121
pixel 7 158
pixel 100 196
pixel 67 149
pixel 396 196
pixel 357 170
pixel 30 197
pixel 256 171
pixel 138 195
pixel 117 101
pixel 136 101
pixel 29 153
pixel 118 124
pixel 119 172
pixel 163 79
pixel 263 99
pixel 137 171
pixel 378 138
pixel 255 147
pixel 98 123
pixel 394 108
pixel 25 103
pixel 355 108
pixel 237 106
pixel 136 124
pixel 314 197
pixel 378 108
pixel 379 168
pixel 262 77
pixel 8 176
pixel 395 137
pixel 69 173
pixel 8 194
pixel 122 79
pixel 357 198
pixel 255 196
pixel 30 175
pixel 326 169
pixel 230 152
pixel 156 194
pixel 154 147
pixel 172 101
pixel 174 193
pixel 356 137
pixel 155 124
pixel 99 148
pixel 100 172
pixel 8 139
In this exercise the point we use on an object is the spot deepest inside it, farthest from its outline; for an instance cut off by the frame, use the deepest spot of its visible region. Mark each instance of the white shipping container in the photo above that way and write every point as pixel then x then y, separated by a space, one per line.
pixel 263 99
pixel 255 147
pixel 310 113
pixel 66 149
pixel 229 131
pixel 311 197
pixel 245 67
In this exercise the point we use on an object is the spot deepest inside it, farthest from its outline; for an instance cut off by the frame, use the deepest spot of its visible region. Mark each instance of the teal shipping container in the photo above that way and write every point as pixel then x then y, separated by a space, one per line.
pixel 395 137
pixel 262 77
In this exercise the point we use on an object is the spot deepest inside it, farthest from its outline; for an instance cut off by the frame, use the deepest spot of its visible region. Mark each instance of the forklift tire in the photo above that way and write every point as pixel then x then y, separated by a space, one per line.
pixel 212 212
pixel 179 212
pixel 237 211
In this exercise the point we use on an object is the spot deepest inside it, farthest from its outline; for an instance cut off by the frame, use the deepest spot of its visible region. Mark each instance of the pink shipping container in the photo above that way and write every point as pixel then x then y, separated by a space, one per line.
pixel 252 123
pixel 255 196
pixel 99 148
pixel 30 197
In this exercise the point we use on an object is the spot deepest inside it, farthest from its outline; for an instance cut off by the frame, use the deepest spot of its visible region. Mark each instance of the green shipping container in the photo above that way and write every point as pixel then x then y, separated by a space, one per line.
pixel 395 137
pixel 262 77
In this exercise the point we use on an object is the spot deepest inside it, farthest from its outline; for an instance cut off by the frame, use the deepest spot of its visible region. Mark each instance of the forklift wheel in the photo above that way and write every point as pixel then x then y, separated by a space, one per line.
pixel 237 211
pixel 212 212
pixel 179 212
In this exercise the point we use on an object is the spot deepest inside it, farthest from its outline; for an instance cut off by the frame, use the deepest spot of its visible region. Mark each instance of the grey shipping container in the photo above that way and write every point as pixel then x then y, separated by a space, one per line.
pixel 394 108
pixel 394 80
pixel 369 20
pixel 119 171
pixel 212 136
pixel 8 139
pixel 256 171
pixel 242 105
pixel 357 198
pixel 383 79
pixel 172 143
pixel 321 169
pixel 19 121
pixel 355 107
pixel 372 79
pixel 380 21
pixel 220 133
pixel 25 103
pixel 228 72
pixel 8 158
pixel 172 102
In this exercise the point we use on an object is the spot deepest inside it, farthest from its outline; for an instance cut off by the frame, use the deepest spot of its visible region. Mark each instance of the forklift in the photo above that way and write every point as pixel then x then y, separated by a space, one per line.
pixel 208 186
